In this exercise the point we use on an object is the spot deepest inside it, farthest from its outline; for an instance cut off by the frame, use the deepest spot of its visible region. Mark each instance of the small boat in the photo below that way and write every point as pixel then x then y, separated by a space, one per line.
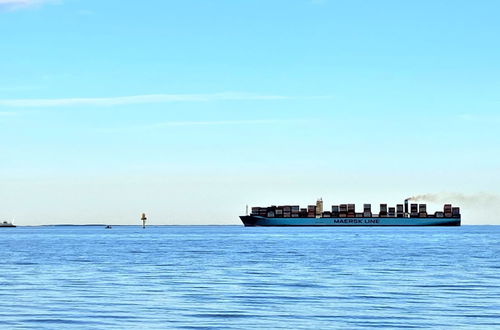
pixel 6 224
pixel 108 227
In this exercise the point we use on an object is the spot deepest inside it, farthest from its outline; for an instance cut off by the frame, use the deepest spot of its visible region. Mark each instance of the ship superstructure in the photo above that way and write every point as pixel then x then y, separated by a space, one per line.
pixel 7 224
pixel 405 214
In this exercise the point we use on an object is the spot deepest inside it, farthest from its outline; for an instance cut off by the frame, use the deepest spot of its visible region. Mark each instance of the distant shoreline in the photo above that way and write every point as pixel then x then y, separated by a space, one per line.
pixel 208 225
pixel 104 225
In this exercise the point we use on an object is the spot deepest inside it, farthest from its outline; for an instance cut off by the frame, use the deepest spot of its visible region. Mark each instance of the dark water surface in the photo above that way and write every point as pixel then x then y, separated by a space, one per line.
pixel 231 277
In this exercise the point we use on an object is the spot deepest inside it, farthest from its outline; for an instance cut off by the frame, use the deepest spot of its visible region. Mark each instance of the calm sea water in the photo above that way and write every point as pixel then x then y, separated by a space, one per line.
pixel 231 277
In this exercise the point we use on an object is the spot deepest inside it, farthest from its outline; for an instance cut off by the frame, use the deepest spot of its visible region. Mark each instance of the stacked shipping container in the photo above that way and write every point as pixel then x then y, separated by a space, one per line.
pixel 349 211
pixel 399 211
pixel 367 210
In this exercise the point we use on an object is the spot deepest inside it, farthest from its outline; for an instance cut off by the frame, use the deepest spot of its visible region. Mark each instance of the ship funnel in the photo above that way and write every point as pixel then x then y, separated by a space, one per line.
pixel 406 206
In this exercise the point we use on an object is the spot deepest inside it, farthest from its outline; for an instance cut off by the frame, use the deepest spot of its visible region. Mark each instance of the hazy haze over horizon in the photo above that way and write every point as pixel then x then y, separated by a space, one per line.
pixel 189 110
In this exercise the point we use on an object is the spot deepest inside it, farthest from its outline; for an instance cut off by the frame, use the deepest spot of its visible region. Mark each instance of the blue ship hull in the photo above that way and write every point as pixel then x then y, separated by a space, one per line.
pixel 257 221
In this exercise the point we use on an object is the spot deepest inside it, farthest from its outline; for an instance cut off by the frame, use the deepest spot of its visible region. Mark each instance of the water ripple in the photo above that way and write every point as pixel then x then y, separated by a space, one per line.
pixel 230 277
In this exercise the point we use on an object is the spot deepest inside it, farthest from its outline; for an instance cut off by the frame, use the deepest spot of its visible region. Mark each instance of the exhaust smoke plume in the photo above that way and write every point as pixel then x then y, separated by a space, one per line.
pixel 457 198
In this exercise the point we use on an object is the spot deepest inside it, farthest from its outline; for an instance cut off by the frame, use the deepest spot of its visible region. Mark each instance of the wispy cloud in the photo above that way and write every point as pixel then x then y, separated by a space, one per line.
pixel 216 122
pixel 137 99
pixel 200 123
pixel 19 4
pixel 85 12
pixel 19 88
pixel 7 113
pixel 317 2
pixel 480 118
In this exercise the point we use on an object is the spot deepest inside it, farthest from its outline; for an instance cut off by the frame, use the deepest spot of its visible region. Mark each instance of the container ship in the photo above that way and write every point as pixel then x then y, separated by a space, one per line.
pixel 345 215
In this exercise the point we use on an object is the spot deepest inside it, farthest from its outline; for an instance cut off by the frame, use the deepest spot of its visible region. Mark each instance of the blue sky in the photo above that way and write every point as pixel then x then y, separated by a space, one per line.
pixel 189 110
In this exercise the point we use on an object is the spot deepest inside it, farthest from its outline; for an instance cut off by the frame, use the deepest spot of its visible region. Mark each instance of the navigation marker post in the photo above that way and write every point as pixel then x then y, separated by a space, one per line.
pixel 143 218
